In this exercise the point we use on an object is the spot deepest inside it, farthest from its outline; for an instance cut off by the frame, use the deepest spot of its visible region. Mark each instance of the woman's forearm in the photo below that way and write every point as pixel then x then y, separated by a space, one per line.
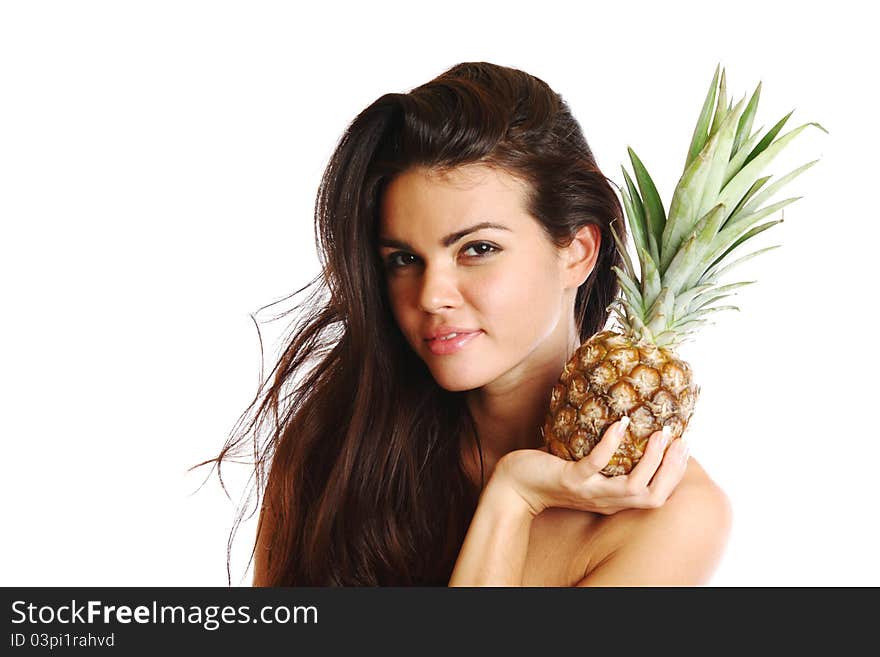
pixel 494 549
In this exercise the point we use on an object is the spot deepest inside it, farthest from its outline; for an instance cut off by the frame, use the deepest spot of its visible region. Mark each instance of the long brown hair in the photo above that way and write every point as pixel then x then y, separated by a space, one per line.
pixel 367 485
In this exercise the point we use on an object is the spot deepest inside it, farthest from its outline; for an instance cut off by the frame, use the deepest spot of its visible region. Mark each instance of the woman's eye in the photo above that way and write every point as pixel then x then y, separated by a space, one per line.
pixel 401 259
pixel 489 248
pixel 394 263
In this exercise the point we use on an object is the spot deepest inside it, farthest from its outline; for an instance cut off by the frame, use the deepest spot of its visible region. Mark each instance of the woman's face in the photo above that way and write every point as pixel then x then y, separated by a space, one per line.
pixel 503 286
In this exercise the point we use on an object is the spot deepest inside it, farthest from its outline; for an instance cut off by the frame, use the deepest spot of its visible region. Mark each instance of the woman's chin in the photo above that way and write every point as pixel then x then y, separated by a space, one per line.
pixel 457 381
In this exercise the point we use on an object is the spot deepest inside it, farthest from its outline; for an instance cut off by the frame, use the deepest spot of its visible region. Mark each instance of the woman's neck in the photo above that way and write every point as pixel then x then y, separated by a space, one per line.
pixel 510 412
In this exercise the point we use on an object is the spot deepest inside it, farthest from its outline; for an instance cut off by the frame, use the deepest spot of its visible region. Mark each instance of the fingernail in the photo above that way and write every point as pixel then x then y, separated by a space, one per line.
pixel 667 432
pixel 624 423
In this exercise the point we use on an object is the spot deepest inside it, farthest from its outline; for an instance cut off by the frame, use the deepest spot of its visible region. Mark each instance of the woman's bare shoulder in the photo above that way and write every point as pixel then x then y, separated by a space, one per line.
pixel 677 544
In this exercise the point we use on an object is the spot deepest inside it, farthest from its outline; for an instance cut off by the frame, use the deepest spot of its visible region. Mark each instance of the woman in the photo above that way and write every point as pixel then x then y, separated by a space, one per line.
pixel 465 235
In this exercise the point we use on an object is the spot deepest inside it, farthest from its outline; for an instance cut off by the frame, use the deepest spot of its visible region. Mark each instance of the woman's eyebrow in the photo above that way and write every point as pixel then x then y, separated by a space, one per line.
pixel 447 241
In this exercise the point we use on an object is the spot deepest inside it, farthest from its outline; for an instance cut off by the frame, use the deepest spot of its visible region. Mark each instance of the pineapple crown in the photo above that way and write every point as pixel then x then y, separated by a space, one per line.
pixel 716 207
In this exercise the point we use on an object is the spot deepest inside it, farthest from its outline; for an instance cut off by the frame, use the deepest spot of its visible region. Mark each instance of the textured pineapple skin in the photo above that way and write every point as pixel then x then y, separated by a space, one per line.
pixel 608 377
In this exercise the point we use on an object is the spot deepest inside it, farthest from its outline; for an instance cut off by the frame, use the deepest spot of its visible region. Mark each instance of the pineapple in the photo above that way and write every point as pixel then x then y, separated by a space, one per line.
pixel 682 255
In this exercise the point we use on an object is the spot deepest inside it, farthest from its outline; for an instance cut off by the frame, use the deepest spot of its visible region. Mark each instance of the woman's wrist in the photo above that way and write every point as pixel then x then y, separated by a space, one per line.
pixel 502 492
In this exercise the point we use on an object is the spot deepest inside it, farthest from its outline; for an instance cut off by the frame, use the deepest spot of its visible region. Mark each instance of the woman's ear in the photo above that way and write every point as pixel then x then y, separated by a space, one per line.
pixel 579 257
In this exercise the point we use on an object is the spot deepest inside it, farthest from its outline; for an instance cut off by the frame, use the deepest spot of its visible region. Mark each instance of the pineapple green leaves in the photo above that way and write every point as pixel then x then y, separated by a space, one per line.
pixel 716 207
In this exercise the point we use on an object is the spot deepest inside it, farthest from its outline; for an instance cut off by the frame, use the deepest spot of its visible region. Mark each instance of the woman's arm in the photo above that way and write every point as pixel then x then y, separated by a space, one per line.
pixel 494 550
pixel 527 481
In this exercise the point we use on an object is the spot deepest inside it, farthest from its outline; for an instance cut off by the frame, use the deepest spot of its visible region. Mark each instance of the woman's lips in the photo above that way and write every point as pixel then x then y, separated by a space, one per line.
pixel 440 347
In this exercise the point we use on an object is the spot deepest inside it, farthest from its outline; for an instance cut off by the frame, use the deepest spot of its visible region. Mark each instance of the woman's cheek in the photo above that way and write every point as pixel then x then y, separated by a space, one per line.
pixel 508 294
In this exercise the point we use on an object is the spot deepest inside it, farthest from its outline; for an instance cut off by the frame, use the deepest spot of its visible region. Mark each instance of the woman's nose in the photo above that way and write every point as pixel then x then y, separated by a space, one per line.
pixel 439 289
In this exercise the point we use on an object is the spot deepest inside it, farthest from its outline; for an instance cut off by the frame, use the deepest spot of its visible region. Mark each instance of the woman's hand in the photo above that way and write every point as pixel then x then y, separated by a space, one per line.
pixel 543 480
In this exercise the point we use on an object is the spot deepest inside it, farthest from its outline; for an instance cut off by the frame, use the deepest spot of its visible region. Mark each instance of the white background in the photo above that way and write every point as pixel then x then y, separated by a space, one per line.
pixel 158 168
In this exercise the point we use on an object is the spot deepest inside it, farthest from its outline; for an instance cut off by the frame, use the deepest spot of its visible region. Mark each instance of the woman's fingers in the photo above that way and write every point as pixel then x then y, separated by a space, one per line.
pixel 601 454
pixel 648 485
pixel 641 474
pixel 669 474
